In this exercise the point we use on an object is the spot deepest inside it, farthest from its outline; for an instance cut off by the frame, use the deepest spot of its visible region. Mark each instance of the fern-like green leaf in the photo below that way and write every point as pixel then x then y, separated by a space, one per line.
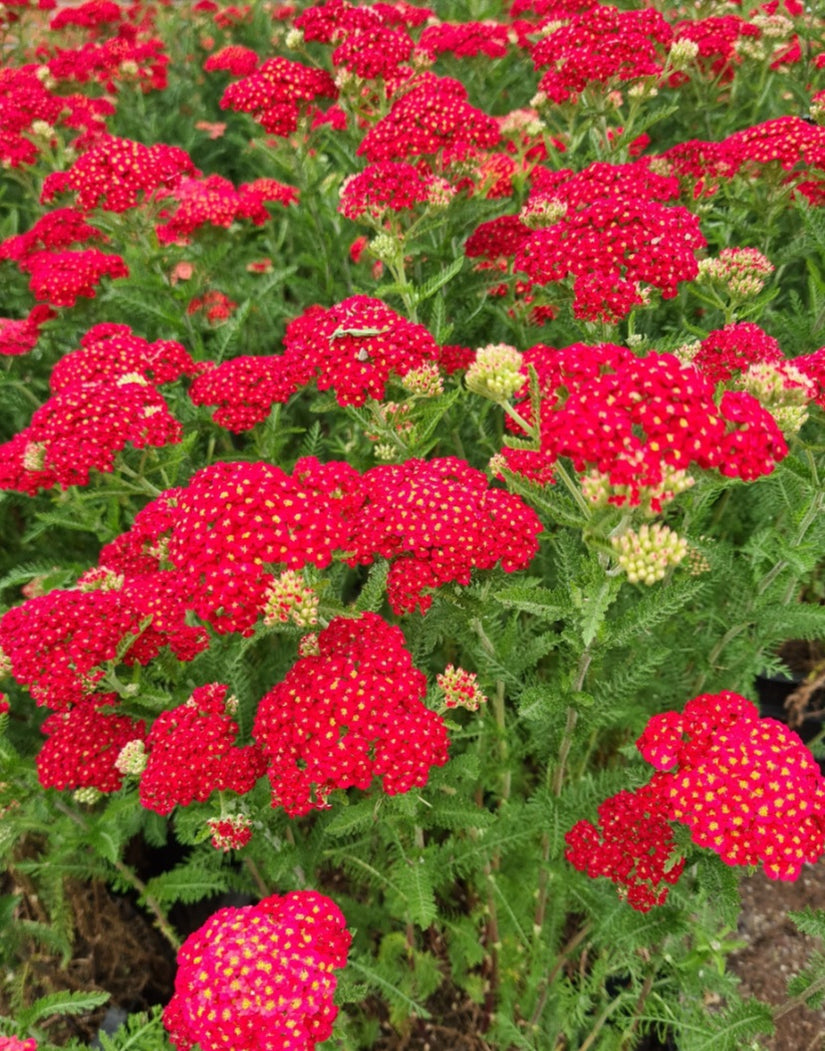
pixel 60 1003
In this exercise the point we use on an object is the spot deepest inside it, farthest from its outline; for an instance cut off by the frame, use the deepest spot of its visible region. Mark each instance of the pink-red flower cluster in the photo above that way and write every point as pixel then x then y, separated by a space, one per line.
pixel 633 846
pixel 20 336
pixel 466 39
pixel 634 419
pixel 279 93
pixel 82 428
pixel 235 59
pixel 431 117
pixel 213 200
pixel 354 347
pixel 613 248
pixel 390 186
pixel 604 46
pixel 747 788
pixel 191 753
pixel 437 521
pixel 350 712
pixel 260 977
pixel 83 744
pixel 60 278
pixel 58 643
pixel 244 389
pixel 119 174
pixel 108 352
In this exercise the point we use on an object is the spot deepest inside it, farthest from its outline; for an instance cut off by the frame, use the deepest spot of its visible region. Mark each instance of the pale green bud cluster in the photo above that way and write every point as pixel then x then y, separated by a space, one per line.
pixel 742 271
pixel 290 598
pixel 131 759
pixel 682 53
pixel 496 372
pixel 646 554
pixel 784 390
pixel 34 456
pixel 88 796
pixel 384 247
pixel 541 213
pixel 425 381
pixel 599 491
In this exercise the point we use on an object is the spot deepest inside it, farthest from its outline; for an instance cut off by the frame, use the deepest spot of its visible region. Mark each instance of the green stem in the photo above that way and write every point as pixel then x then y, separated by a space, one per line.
pixel 133 880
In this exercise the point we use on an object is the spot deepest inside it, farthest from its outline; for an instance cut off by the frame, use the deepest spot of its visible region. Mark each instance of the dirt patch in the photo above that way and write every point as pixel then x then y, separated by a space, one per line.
pixel 776 951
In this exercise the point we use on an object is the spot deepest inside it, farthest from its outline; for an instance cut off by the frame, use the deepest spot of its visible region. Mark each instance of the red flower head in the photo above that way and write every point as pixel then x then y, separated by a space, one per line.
pixel 612 248
pixel 108 352
pixel 438 520
pixel 59 278
pixel 746 787
pixel 118 174
pixel 235 59
pixel 82 427
pixel 603 45
pixel 244 389
pixel 192 753
pixel 432 116
pixel 83 745
pixel 355 346
pixel 735 348
pixel 351 712
pixel 389 186
pixel 278 93
pixel 260 977
pixel 20 336
pixel 633 846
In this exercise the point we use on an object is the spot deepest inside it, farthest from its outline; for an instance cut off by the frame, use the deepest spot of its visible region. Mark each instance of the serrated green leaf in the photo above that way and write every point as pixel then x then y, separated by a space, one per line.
pixel 547 603
pixel 412 877
pixel 60 1003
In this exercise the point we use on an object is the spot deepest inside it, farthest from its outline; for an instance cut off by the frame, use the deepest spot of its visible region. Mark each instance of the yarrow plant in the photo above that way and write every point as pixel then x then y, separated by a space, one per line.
pixel 404 413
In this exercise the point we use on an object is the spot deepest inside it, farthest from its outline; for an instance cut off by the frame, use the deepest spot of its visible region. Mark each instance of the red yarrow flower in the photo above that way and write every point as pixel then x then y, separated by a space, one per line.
pixel 83 745
pixel 633 846
pixel 746 787
pixel 119 174
pixel 604 46
pixel 431 117
pixel 83 427
pixel 260 977
pixel 437 521
pixel 20 336
pixel 191 753
pixel 355 346
pixel 349 713
pixel 279 93
pixel 60 278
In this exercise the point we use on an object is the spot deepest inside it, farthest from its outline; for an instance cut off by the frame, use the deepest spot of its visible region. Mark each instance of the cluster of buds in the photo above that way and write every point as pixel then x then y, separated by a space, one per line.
pixel 230 832
pixel 784 391
pixel 682 54
pixel 289 597
pixel 131 759
pixel 496 372
pixel 599 491
pixel 542 211
pixel 646 554
pixel 741 271
pixel 460 688
pixel 425 381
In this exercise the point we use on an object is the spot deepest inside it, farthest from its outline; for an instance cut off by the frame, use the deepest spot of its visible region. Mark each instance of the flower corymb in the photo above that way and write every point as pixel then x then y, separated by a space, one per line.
pixel 260 977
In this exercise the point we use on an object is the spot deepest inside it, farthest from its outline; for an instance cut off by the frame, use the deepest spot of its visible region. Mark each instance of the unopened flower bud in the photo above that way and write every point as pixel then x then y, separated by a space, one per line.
pixel 495 373
pixel 88 796
pixel 230 833
pixel 425 380
pixel 682 53
pixel 647 554
pixel 289 597
pixel 131 759
pixel 460 688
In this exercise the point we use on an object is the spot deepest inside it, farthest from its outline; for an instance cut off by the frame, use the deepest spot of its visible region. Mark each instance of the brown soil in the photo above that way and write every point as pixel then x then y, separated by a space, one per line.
pixel 776 950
